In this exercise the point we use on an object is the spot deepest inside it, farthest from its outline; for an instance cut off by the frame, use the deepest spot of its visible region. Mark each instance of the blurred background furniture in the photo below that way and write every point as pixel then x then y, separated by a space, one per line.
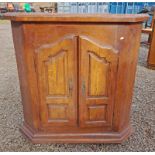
pixel 49 9
pixel 149 28
pixel 16 7
pixel 3 10
pixel 10 7
pixel 151 54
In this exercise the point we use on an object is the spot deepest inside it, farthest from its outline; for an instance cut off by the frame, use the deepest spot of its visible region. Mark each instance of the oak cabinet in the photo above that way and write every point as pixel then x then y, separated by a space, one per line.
pixel 76 75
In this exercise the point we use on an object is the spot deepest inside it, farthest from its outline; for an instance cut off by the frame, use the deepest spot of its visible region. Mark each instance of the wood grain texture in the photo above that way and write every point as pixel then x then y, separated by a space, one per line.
pixel 76 78
pixel 96 82
pixel 57 82
pixel 75 17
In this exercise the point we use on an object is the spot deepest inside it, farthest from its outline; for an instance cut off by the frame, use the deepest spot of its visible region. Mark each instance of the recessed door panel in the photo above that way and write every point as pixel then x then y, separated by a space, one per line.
pixel 98 70
pixel 57 74
pixel 98 67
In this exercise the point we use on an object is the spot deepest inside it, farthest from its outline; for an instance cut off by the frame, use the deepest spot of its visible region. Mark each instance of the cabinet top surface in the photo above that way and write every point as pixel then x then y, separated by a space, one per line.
pixel 40 17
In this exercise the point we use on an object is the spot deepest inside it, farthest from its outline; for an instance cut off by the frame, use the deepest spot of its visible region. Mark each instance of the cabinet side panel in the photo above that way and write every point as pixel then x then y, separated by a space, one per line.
pixel 18 39
pixel 23 43
pixel 128 40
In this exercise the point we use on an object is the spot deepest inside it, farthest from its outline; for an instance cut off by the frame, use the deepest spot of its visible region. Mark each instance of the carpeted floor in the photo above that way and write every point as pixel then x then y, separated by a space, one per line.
pixel 142 118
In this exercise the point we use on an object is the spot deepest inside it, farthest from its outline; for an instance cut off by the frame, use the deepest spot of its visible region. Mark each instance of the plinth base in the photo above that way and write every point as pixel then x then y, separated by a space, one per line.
pixel 41 137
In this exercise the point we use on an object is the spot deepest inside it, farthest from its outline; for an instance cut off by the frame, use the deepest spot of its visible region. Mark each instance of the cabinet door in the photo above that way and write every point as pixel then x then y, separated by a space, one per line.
pixel 57 82
pixel 97 78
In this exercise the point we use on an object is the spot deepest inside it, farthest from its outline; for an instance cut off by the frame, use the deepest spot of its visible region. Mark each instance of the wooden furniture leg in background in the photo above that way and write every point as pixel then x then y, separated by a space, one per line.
pixel 149 30
pixel 151 55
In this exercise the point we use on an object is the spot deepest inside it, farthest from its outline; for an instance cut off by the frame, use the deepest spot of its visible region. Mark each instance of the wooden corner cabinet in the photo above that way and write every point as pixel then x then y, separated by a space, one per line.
pixel 76 74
